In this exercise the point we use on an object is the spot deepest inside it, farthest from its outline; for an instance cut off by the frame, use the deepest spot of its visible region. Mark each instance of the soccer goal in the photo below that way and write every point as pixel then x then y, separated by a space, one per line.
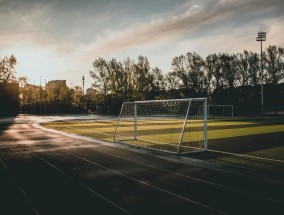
pixel 220 110
pixel 175 125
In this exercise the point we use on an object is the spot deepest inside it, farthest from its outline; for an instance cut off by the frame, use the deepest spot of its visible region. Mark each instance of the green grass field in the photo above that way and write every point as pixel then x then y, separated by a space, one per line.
pixel 254 136
pixel 257 136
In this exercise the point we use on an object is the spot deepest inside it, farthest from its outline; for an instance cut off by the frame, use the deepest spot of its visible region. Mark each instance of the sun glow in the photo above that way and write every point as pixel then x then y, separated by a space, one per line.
pixel 45 64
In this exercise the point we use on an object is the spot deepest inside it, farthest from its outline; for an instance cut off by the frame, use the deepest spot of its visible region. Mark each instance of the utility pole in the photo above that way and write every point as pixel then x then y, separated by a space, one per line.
pixel 261 36
pixel 40 95
pixel 83 79
pixel 45 97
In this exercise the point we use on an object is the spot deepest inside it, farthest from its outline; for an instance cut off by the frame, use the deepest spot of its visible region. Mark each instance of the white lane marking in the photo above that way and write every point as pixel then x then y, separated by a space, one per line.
pixel 190 177
pixel 80 183
pixel 147 184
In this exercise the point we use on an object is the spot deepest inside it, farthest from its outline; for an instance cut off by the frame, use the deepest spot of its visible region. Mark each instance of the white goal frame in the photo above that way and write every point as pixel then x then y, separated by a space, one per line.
pixel 188 101
pixel 221 106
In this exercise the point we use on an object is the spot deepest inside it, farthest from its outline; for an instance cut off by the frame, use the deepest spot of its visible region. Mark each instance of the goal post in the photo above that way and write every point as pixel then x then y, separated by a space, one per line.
pixel 174 125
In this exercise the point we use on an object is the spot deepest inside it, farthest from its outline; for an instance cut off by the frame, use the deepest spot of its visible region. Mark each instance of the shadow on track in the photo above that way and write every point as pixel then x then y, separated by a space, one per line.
pixel 5 123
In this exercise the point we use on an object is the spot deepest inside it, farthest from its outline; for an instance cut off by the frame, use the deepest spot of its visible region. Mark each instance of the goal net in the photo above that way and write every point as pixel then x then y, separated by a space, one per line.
pixel 176 125
pixel 220 111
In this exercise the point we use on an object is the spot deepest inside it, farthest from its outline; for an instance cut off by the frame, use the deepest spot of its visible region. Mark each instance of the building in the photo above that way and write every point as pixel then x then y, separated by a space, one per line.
pixel 90 91
pixel 57 91
pixel 55 83
pixel 9 99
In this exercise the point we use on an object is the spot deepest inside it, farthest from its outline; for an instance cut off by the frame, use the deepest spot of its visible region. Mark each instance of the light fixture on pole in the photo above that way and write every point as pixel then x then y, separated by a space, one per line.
pixel 261 36
pixel 83 79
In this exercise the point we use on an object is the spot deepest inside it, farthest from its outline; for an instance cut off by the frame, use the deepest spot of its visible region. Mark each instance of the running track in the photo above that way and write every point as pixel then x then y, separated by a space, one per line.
pixel 42 172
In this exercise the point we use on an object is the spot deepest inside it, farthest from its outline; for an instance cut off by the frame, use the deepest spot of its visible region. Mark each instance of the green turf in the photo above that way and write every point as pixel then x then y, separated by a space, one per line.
pixel 254 136
pixel 245 131
pixel 243 134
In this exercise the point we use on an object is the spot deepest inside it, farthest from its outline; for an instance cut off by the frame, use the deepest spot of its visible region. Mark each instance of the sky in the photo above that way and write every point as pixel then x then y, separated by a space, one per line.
pixel 60 39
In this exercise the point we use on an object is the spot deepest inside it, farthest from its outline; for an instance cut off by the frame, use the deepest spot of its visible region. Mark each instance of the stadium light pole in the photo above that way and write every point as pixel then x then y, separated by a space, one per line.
pixel 261 36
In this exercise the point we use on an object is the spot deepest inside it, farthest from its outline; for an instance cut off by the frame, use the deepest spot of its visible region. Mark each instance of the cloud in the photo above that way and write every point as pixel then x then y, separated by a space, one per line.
pixel 76 32
pixel 213 16
pixel 112 26
pixel 22 23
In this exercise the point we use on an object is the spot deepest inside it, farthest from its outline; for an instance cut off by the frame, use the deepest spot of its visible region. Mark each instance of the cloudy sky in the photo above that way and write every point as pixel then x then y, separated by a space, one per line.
pixel 59 39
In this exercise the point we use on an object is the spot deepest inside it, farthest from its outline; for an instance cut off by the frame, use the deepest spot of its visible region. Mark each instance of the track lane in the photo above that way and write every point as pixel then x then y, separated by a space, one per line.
pixel 174 202
pixel 183 187
pixel 184 175
pixel 246 203
pixel 51 192
pixel 12 194
pixel 137 196
pixel 228 180
pixel 46 146
pixel 224 179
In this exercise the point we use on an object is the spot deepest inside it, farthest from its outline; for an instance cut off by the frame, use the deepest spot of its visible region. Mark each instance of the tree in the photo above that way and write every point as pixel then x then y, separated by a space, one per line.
pixel 171 81
pixel 77 95
pixel 242 61
pixel 196 72
pixel 214 71
pixel 229 69
pixel 56 91
pixel 157 83
pixel 179 65
pixel 7 69
pixel 141 78
pixel 128 67
pixel 274 64
pixel 23 82
pixel 101 77
pixel 117 79
pixel 190 69
pixel 254 68
pixel 63 96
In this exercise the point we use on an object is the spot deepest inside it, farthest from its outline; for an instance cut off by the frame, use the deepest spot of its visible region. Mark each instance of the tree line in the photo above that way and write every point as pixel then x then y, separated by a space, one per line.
pixel 224 78
pixel 191 75
pixel 57 98
pixel 57 93
pixel 50 99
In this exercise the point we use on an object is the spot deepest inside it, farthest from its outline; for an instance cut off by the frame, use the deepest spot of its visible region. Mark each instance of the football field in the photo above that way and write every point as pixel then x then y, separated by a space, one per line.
pixel 253 136
pixel 251 144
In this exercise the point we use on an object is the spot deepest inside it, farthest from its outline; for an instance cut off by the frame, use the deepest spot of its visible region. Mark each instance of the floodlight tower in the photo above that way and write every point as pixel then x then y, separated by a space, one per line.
pixel 261 36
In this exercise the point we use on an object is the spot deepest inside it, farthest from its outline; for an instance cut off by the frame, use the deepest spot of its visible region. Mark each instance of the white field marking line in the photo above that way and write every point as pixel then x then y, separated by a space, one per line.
pixel 145 147
pixel 94 140
pixel 217 169
pixel 80 183
pixel 20 188
pixel 247 156
pixel 107 134
pixel 190 177
pixel 147 184
pixel 86 131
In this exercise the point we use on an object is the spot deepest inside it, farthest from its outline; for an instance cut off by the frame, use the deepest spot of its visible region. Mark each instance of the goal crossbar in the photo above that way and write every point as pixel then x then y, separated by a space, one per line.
pixel 167 100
